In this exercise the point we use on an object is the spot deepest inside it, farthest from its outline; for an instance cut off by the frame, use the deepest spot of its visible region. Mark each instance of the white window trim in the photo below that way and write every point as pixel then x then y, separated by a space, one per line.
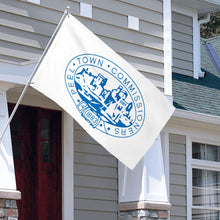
pixel 207 165
pixel 196 36
pixel 201 164
pixel 189 176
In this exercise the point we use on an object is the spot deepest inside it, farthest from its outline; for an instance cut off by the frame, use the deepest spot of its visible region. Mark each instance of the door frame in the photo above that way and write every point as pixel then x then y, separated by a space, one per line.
pixel 67 166
pixel 67 150
pixel 67 161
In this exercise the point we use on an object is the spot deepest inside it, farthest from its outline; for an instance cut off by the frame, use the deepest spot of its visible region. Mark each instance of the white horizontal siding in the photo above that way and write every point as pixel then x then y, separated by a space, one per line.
pixel 85 214
pixel 177 157
pixel 182 33
pixel 95 205
pixel 95 182
pixel 137 8
pixel 27 28
pixel 95 179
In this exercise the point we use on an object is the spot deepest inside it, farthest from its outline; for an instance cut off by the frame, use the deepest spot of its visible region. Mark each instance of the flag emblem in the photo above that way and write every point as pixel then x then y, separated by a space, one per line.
pixel 105 95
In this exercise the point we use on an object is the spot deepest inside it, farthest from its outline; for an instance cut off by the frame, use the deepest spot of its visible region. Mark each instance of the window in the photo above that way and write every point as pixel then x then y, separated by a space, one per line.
pixel 46 140
pixel 205 181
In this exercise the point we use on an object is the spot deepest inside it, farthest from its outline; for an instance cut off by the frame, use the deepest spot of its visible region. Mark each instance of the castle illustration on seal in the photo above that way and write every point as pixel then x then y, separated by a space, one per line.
pixel 110 105
pixel 105 96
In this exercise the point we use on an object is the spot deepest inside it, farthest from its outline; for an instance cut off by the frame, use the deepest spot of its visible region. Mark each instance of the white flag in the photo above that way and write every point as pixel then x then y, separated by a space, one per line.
pixel 119 107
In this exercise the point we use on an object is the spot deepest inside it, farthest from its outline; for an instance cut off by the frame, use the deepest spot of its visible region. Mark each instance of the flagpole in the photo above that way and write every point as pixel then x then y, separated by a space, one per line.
pixel 66 12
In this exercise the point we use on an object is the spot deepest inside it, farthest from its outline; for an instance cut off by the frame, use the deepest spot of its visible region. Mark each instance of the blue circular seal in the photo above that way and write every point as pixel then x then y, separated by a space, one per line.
pixel 105 95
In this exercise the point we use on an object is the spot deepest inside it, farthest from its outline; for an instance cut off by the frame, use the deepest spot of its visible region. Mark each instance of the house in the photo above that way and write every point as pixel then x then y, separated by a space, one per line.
pixel 198 143
pixel 58 170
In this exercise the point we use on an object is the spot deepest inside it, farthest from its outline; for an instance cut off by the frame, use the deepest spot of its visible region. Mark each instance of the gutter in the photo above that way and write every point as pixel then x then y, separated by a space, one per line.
pixel 206 19
pixel 195 116
pixel 215 2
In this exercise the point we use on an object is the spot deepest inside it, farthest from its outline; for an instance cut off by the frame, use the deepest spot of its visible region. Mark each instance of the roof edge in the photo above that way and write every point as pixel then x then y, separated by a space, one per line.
pixel 216 2
pixel 195 116
pixel 15 72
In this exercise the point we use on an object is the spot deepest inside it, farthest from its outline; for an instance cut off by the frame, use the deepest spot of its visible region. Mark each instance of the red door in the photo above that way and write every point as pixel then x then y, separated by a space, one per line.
pixel 36 142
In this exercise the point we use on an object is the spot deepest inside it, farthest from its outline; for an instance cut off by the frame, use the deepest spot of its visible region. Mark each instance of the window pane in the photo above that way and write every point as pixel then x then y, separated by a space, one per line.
pixel 46 151
pixel 199 177
pixel 45 128
pixel 198 151
pixel 199 185
pixel 213 152
pixel 199 214
pixel 206 190
pixel 206 152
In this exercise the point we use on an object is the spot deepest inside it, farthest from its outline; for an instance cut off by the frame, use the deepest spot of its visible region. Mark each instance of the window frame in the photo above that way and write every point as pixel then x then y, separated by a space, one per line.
pixel 198 164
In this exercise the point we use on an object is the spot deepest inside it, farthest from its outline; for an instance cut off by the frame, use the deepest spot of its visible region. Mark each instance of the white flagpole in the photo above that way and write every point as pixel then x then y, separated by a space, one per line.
pixel 66 12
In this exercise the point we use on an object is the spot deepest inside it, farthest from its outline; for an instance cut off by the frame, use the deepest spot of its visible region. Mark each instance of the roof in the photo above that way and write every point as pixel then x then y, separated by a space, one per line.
pixel 200 95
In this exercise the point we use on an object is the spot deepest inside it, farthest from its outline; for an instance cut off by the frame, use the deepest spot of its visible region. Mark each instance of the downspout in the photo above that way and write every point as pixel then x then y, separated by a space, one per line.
pixel 205 20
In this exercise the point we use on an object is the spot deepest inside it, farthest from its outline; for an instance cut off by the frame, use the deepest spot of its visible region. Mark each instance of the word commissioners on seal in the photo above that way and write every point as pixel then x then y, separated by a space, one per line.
pixel 105 95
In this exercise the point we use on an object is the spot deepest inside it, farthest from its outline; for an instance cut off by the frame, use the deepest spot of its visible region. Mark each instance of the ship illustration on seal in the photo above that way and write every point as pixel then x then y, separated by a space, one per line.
pixel 112 106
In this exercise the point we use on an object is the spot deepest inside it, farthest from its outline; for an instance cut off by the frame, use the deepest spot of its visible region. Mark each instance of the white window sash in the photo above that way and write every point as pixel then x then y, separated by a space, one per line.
pixel 205 165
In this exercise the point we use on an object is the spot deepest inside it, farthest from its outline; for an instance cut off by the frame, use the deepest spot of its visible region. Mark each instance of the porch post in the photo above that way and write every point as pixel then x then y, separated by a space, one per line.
pixel 143 191
pixel 8 192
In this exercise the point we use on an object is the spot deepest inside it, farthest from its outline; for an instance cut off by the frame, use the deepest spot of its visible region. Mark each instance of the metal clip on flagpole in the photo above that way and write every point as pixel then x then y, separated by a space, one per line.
pixel 68 10
pixel 34 71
